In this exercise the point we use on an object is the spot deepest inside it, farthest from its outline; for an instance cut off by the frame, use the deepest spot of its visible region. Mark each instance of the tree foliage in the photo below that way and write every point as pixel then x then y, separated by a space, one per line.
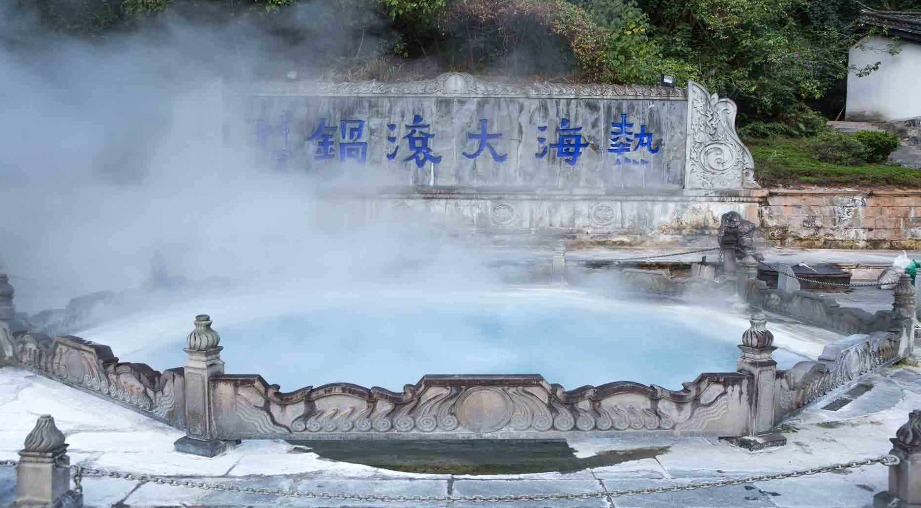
pixel 771 56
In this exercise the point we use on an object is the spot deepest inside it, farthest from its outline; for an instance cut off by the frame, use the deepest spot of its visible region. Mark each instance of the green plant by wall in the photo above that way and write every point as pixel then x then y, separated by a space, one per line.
pixel 878 144
pixel 837 148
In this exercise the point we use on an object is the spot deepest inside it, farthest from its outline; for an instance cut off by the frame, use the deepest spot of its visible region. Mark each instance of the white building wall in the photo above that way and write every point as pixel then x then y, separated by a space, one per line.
pixel 891 93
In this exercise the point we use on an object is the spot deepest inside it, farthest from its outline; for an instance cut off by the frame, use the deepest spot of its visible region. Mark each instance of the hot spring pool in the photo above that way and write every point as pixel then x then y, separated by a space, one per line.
pixel 392 338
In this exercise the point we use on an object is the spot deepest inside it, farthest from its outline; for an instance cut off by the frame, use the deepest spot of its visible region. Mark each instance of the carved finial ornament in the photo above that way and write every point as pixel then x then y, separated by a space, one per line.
pixel 203 337
pixel 758 336
pixel 45 437
pixel 6 290
pixel 904 287
pixel 909 435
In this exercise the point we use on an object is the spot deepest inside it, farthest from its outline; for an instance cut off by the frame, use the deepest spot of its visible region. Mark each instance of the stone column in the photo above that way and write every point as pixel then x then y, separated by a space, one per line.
pixel 7 309
pixel 558 267
pixel 43 473
pixel 204 363
pixel 903 314
pixel 905 478
pixel 756 360
pixel 729 262
pixel 748 272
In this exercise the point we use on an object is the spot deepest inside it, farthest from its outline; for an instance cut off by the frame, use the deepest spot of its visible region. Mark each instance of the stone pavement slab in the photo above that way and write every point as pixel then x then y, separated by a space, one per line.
pixel 734 495
pixel 520 487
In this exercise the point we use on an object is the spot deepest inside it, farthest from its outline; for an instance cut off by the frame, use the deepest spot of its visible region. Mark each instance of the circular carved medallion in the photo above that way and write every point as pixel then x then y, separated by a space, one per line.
pixel 503 214
pixel 717 157
pixel 484 409
pixel 603 214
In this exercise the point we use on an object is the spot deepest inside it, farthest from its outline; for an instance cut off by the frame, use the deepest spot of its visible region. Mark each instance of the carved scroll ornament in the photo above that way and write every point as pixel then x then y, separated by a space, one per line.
pixel 524 406
pixel 716 157
pixel 93 367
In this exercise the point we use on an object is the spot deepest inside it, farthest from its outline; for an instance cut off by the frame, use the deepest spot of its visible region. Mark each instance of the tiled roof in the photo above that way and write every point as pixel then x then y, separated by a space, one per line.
pixel 902 23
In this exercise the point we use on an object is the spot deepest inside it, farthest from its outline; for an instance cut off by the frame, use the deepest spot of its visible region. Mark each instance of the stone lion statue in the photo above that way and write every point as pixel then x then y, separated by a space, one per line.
pixel 738 234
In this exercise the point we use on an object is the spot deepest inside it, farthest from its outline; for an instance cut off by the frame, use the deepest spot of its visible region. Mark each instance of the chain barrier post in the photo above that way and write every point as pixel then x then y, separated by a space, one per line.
pixel 749 273
pixel 904 477
pixel 757 360
pixel 903 314
pixel 203 364
pixel 43 472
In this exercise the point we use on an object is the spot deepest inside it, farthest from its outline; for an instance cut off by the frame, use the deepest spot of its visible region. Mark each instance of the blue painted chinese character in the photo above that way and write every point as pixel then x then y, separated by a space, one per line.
pixel 621 136
pixel 351 131
pixel 569 143
pixel 265 129
pixel 542 141
pixel 419 143
pixel 645 139
pixel 326 149
pixel 484 138
pixel 392 139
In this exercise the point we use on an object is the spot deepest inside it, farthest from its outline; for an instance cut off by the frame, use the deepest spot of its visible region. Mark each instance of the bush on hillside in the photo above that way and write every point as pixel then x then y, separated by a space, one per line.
pixel 878 144
pixel 836 148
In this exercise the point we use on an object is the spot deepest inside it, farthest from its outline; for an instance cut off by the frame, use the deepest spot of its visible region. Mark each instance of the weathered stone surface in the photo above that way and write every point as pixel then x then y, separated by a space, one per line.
pixel 476 407
pixel 758 443
pixel 653 280
pixel 631 136
pixel 43 475
pixel 786 279
pixel 889 277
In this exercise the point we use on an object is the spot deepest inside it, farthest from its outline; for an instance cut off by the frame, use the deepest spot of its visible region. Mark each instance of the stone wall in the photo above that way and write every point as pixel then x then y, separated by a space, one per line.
pixel 842 219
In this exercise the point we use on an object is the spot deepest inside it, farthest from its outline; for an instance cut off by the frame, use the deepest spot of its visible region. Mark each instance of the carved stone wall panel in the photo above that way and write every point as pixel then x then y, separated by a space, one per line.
pixel 716 157
pixel 92 367
pixel 488 406
pixel 840 364
pixel 287 122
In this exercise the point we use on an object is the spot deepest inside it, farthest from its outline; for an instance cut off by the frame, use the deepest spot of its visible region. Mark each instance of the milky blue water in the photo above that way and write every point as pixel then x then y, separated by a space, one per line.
pixel 390 342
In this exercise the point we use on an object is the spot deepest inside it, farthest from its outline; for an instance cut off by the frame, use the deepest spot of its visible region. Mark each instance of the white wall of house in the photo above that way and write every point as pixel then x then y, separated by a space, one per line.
pixel 891 93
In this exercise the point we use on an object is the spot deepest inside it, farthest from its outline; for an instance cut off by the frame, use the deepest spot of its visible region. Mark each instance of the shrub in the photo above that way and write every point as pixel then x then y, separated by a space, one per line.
pixel 837 148
pixel 878 144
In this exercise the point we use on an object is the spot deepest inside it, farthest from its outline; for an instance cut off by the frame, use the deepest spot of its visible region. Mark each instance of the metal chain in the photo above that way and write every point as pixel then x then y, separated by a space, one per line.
pixel 641 258
pixel 80 472
pixel 838 284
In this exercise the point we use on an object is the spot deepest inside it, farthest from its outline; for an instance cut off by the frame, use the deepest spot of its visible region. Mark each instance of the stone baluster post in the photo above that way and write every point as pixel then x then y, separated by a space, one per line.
pixel 757 360
pixel 748 273
pixel 43 473
pixel 905 478
pixel 558 267
pixel 7 309
pixel 903 314
pixel 203 364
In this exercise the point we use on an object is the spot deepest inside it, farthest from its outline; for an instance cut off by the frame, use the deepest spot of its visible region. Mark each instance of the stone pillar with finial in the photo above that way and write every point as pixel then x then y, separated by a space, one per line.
pixel 905 477
pixel 7 309
pixel 558 267
pixel 757 360
pixel 903 314
pixel 748 272
pixel 203 364
pixel 43 472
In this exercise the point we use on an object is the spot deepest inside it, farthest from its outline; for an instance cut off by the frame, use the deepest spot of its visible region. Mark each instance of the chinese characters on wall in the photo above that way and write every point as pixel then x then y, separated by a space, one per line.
pixel 412 143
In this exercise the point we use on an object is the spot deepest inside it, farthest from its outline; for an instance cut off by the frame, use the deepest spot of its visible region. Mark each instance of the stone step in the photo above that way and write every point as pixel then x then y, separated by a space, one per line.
pixel 852 127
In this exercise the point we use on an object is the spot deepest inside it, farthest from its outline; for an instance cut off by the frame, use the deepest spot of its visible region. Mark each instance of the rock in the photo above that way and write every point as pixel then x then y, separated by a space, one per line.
pixel 654 280
pixel 889 278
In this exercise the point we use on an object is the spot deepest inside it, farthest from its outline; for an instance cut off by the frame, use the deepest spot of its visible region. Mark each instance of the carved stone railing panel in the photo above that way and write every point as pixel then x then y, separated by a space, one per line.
pixel 247 407
pixel 841 363
pixel 818 310
pixel 93 368
pixel 716 157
